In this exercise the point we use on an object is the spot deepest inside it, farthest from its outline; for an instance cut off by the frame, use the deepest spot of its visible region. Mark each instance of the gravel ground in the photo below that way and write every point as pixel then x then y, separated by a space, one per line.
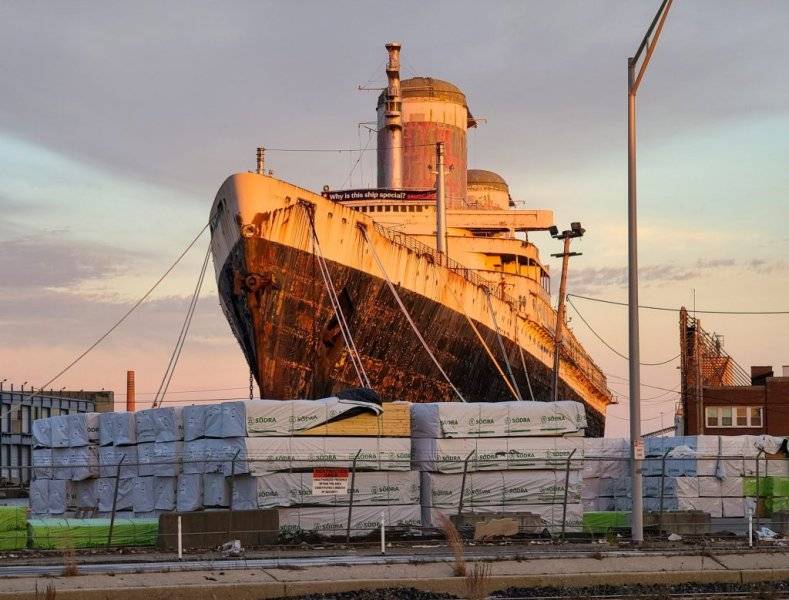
pixel 773 590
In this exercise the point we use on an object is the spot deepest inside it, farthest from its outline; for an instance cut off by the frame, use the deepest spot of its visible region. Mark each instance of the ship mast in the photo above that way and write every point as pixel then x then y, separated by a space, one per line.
pixel 393 165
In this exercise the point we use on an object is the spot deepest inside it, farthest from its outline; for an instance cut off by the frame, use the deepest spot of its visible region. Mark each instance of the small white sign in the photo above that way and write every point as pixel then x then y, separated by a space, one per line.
pixel 329 482
pixel 638 450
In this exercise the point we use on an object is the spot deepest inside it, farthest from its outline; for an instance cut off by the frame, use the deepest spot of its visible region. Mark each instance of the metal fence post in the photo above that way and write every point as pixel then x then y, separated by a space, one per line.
pixel 114 501
pixel 232 490
pixel 463 481
pixel 566 490
pixel 662 486
pixel 350 502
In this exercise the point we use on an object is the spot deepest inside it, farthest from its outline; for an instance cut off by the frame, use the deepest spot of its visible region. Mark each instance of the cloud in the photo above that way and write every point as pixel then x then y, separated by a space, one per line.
pixel 763 266
pixel 50 260
pixel 586 279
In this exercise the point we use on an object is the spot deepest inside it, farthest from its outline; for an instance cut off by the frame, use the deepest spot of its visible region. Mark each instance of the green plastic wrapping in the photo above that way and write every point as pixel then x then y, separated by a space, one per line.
pixel 13 540
pixel 604 521
pixel 91 533
pixel 769 487
pixel 13 518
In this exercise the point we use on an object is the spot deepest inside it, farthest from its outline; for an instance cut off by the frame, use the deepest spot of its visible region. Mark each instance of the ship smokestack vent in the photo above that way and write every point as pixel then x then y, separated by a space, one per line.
pixel 261 162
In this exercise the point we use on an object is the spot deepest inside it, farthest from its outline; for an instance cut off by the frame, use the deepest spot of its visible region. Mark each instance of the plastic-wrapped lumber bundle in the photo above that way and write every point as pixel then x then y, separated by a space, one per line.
pixel 58 426
pixel 83 429
pixel 42 433
pixel 499 491
pixel 493 454
pixel 291 489
pixel 216 490
pixel 110 457
pixel 164 493
pixel 42 463
pixel 117 428
pixel 159 425
pixel 332 521
pixel 189 495
pixel 84 461
pixel 496 419
pixel 106 492
pixel 269 454
pixel 159 458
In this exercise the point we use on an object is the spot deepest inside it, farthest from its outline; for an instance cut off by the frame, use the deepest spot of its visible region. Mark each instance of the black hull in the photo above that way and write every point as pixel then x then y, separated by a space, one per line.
pixel 288 332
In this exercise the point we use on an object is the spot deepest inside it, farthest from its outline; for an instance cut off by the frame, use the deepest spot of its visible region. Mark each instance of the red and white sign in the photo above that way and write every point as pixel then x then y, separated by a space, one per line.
pixel 329 481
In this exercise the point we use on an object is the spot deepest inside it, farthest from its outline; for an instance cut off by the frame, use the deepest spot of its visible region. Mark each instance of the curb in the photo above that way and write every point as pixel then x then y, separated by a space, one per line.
pixel 450 585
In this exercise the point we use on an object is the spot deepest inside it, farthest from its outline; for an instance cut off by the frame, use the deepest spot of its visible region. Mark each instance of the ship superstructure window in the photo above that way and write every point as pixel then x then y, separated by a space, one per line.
pixel 733 416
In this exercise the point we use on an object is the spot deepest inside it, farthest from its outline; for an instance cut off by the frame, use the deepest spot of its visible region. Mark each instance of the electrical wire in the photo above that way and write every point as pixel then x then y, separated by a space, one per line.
pixel 128 312
pixel 703 312
pixel 611 348
pixel 179 344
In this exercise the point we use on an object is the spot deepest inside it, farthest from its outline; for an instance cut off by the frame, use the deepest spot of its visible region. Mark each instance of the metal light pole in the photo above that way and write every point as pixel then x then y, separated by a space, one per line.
pixel 636 448
pixel 575 231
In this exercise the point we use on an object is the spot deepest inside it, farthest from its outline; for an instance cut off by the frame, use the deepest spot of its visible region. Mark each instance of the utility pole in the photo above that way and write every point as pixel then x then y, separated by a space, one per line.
pixel 636 445
pixel 441 201
pixel 575 231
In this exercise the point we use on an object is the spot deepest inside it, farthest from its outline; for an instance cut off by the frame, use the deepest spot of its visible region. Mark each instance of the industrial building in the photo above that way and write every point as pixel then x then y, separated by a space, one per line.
pixel 718 397
pixel 20 408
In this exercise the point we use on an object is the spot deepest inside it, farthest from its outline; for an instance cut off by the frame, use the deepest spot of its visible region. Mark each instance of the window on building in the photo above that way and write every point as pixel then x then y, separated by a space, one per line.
pixel 712 416
pixel 733 416
pixel 25 419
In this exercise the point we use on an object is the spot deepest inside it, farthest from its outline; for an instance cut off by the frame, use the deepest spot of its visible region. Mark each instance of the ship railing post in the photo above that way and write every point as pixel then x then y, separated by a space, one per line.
pixel 566 490
pixel 350 499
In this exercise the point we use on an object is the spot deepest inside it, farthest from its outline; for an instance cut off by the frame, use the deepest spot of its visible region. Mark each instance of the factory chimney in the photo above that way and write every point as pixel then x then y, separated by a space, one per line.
pixel 261 161
pixel 130 392
pixel 393 120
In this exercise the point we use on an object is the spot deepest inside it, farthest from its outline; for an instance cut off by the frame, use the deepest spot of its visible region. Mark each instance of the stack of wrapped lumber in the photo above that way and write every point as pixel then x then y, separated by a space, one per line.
pixel 263 453
pixel 13 527
pixel 65 463
pixel 515 455
pixel 712 474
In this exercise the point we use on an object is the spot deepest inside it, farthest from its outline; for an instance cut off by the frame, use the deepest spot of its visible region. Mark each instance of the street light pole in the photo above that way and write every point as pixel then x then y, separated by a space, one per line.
pixel 636 449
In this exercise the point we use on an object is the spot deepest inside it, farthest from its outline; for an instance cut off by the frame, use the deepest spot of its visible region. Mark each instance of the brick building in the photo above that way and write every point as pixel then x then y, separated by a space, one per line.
pixel 718 397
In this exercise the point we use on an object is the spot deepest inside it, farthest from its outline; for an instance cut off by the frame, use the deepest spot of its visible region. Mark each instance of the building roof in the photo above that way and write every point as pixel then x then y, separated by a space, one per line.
pixel 487 178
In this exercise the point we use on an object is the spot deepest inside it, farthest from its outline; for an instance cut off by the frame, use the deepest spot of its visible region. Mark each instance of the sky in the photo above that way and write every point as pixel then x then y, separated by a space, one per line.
pixel 119 121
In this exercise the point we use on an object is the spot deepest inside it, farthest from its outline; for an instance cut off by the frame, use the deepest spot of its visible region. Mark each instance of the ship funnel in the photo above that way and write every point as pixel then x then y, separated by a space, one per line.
pixel 392 150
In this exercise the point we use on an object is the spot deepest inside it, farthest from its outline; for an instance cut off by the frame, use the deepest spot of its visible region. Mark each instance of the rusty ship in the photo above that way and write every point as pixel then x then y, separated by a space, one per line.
pixel 425 288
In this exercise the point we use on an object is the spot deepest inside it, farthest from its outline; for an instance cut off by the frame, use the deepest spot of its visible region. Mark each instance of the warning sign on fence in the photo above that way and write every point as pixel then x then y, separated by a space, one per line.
pixel 329 482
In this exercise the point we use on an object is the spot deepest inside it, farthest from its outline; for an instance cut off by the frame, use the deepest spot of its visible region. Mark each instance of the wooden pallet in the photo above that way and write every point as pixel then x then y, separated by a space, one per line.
pixel 394 421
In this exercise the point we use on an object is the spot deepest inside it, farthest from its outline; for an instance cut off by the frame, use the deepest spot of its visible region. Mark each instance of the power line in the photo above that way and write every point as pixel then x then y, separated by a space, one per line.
pixel 704 312
pixel 611 348
pixel 128 312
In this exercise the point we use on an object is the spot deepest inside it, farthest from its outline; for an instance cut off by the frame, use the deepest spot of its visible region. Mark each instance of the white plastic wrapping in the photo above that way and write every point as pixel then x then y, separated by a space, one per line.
pixel 291 489
pixel 110 457
pixel 226 420
pixel 59 431
pixel 42 463
pixel 194 452
pixel 164 491
pixel 496 419
pixel 86 494
pixel 159 425
pixel 216 490
pixel 189 495
pixel 167 458
pixel 59 496
pixel 106 490
pixel 146 459
pixel 118 428
pixel 84 462
pixel 42 433
pixel 142 494
pixel 83 429
pixel 499 490
pixel 496 454
pixel 278 417
pixel 193 418
pixel 39 496
pixel 332 521
pixel 61 463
